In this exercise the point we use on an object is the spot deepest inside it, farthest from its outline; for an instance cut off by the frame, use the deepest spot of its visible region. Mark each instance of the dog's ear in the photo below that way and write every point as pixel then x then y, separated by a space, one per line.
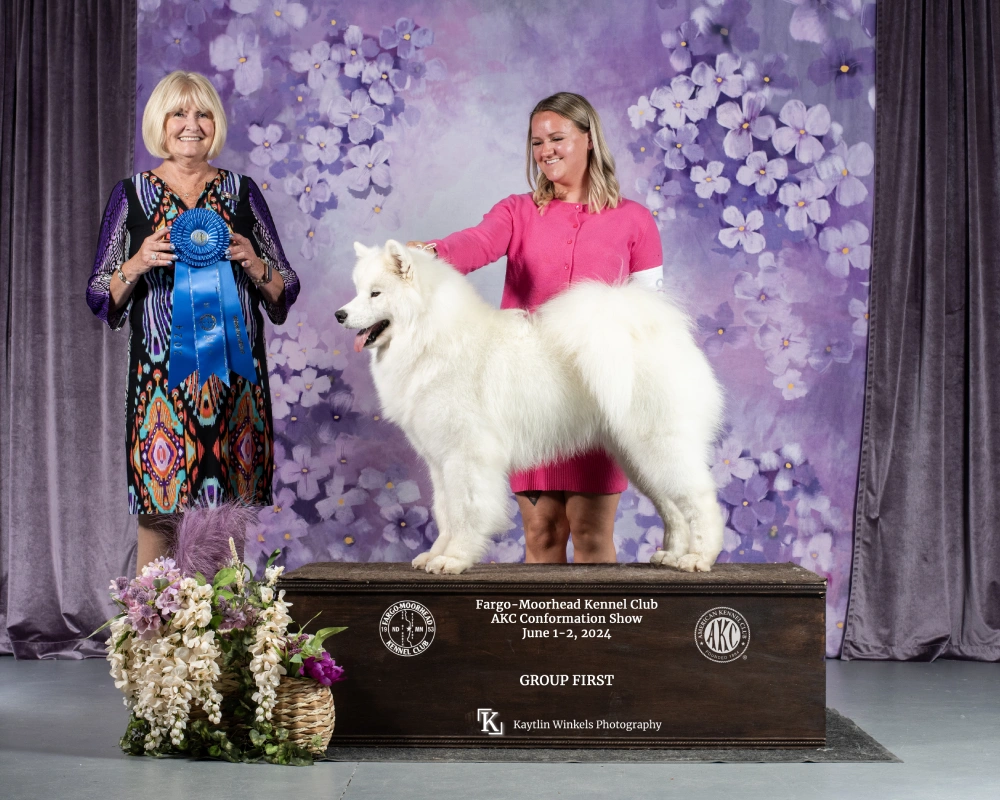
pixel 401 259
pixel 360 249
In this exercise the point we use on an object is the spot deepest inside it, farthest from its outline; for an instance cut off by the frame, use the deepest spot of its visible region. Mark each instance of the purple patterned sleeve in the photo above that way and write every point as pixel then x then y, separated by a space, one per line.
pixel 112 251
pixel 270 247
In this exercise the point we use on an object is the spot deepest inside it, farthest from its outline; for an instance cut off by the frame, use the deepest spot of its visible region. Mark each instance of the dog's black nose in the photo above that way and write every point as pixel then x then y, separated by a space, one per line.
pixel 341 316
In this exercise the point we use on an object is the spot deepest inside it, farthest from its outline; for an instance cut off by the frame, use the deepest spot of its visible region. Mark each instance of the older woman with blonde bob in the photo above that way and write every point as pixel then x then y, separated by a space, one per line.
pixel 201 442
pixel 573 226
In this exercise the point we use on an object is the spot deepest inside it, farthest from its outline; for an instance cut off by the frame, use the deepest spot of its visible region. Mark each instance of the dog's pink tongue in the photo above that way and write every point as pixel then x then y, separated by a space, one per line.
pixel 359 340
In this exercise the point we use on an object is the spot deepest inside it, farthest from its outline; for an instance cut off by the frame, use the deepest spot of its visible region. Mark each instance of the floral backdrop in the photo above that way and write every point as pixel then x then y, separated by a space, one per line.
pixel 745 127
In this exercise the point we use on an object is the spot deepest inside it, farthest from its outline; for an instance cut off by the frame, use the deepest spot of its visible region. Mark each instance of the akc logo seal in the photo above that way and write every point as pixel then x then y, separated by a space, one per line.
pixel 407 628
pixel 722 634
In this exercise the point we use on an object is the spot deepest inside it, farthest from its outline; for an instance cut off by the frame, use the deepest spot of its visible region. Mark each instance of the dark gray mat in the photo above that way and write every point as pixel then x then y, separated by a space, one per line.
pixel 845 741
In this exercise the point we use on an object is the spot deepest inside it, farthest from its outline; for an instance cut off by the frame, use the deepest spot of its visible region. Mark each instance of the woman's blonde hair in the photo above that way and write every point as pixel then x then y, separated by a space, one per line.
pixel 604 190
pixel 175 91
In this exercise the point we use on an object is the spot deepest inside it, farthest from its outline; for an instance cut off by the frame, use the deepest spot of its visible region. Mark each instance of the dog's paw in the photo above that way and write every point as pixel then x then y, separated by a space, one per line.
pixel 694 562
pixel 420 562
pixel 661 558
pixel 447 565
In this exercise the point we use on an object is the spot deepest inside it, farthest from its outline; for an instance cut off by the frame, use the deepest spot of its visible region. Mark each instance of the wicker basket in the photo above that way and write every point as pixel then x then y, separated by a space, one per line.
pixel 304 708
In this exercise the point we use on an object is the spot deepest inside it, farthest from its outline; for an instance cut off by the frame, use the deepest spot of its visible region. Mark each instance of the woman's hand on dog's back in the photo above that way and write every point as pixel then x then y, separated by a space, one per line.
pixel 423 246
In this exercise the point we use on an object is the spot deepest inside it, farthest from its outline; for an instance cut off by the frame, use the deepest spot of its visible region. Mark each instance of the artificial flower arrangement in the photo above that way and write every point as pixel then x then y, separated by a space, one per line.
pixel 202 652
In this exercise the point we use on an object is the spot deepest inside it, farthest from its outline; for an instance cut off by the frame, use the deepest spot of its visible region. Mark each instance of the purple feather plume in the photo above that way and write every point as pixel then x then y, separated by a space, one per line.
pixel 202 542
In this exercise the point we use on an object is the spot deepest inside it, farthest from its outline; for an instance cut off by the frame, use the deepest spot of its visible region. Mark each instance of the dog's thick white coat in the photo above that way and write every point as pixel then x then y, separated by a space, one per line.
pixel 481 393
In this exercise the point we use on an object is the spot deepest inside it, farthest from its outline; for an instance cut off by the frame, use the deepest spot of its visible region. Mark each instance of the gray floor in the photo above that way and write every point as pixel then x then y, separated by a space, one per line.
pixel 60 722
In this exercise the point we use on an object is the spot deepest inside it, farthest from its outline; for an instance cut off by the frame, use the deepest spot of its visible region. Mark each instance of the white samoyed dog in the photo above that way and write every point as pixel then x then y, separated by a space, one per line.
pixel 481 393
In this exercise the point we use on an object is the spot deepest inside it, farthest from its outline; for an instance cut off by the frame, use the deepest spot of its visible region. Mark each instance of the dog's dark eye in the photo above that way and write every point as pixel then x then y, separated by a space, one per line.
pixel 376 294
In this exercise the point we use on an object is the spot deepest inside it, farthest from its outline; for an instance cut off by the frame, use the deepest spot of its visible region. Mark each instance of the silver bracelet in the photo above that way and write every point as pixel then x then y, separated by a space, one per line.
pixel 267 275
pixel 122 276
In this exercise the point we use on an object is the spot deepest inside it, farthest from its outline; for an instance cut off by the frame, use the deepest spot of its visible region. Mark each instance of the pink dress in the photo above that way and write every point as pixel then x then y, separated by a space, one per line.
pixel 545 254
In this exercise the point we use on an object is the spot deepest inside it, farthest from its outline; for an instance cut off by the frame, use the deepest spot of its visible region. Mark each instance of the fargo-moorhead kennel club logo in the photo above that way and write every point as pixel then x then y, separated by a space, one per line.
pixel 407 628
pixel 722 634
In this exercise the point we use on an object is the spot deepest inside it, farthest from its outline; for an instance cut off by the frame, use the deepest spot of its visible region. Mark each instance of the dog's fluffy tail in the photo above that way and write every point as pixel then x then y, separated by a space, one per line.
pixel 597 325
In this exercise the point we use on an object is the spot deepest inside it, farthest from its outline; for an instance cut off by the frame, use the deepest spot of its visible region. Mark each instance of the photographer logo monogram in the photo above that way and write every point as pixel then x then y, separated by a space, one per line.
pixel 487 716
pixel 722 635
pixel 407 628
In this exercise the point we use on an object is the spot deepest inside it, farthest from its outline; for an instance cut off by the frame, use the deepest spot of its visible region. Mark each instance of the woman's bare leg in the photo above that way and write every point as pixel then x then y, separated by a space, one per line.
pixel 592 523
pixel 546 528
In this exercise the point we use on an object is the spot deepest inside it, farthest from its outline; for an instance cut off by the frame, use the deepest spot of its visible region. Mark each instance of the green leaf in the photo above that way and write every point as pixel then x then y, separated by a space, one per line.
pixel 122 639
pixel 256 737
pixel 321 635
pixel 274 555
pixel 282 734
pixel 200 578
pixel 224 577
pixel 106 625
pixel 271 749
pixel 225 593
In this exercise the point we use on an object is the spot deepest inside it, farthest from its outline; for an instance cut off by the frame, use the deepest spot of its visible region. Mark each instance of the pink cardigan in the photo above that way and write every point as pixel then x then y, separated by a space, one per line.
pixel 545 254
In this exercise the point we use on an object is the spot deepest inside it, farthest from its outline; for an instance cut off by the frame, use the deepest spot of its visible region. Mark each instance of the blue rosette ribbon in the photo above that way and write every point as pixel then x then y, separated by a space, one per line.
pixel 208 334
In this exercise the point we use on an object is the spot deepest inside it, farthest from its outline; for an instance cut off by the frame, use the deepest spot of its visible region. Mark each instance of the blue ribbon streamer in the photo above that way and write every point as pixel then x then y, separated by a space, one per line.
pixel 208 332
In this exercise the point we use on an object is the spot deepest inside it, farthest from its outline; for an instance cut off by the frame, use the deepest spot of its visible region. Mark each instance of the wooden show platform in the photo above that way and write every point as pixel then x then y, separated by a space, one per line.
pixel 519 655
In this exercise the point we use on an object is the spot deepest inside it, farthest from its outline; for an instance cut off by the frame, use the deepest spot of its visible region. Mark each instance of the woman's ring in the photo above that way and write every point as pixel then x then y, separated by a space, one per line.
pixel 152 258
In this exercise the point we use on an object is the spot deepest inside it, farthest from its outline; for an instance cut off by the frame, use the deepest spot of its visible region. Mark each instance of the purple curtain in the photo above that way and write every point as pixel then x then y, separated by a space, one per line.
pixel 926 575
pixel 67 92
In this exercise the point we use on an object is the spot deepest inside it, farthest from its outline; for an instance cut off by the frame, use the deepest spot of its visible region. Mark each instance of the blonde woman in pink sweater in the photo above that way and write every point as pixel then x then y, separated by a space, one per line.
pixel 573 226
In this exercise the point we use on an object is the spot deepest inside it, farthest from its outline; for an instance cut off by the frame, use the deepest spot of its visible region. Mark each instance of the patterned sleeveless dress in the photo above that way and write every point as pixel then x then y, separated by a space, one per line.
pixel 195 444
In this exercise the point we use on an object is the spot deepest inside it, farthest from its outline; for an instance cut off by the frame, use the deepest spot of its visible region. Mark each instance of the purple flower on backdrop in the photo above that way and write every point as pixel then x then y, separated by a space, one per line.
pixel 801 131
pixel 745 124
pixel 844 65
pixel 730 463
pixel 305 470
pixel 380 214
pixel 321 144
pixel 720 331
pixel 750 508
pixel 743 231
pixel 311 188
pixel 641 113
pixel 343 419
pixel 283 17
pixel 649 543
pixel 381 78
pixel 859 310
pixel 391 487
pixel 805 202
pixel 815 553
pixel 708 180
pixel 828 346
pixel 196 11
pixel 677 102
pixel 791 384
pixel 311 234
pixel 846 248
pixel 725 27
pixel 278 526
pixel 340 501
pixel 358 114
pixel 404 524
pixel 369 166
pixel 679 42
pixel 283 396
pixel 785 344
pixel 181 44
pixel 790 466
pixel 316 63
pixel 505 551
pixel 842 169
pixel 723 79
pixel 642 148
pixel 657 196
pixel 238 51
pixel 354 51
pixel 811 18
pixel 761 173
pixel 303 350
pixel 310 386
pixel 763 293
pixel 268 144
pixel 417 70
pixel 769 76
pixel 868 20
pixel 405 37
pixel 680 145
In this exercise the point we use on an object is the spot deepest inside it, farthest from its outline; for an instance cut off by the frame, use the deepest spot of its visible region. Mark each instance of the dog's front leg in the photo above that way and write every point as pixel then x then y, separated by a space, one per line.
pixel 440 511
pixel 476 509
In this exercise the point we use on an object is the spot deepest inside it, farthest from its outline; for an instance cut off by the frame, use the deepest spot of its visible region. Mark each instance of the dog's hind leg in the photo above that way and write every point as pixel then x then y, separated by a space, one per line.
pixel 440 511
pixel 476 495
pixel 702 510
pixel 676 533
